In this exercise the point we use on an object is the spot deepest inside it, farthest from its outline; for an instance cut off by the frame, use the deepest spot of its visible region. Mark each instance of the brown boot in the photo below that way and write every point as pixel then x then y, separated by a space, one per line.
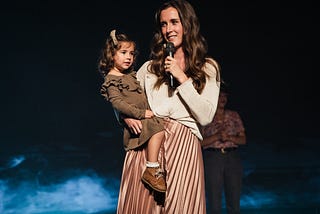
pixel 154 178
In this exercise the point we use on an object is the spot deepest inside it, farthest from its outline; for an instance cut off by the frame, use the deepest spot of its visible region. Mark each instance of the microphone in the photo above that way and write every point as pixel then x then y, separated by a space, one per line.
pixel 169 50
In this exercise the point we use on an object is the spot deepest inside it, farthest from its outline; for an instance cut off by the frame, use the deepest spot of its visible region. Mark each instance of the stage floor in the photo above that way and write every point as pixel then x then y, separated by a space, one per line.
pixel 69 178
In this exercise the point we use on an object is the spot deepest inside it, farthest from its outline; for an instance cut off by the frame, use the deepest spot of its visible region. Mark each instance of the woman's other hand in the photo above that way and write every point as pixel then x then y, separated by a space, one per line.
pixel 134 125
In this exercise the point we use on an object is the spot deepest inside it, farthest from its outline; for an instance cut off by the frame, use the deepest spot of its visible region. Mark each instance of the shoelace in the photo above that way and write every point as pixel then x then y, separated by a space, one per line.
pixel 159 173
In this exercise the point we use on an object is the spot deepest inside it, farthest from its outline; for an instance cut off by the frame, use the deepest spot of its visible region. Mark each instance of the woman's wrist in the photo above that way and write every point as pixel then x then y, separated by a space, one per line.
pixel 183 78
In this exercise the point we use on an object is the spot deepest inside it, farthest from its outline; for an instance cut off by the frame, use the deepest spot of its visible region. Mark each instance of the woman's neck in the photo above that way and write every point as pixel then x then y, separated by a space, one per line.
pixel 179 56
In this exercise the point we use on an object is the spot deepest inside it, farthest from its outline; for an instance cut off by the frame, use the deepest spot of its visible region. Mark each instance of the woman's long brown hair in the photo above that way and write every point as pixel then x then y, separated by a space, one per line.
pixel 194 46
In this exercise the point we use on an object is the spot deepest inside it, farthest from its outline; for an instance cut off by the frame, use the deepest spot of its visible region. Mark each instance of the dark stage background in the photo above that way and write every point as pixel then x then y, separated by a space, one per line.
pixel 60 145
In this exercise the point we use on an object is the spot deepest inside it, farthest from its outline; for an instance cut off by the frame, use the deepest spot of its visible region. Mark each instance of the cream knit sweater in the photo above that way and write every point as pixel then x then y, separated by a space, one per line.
pixel 186 106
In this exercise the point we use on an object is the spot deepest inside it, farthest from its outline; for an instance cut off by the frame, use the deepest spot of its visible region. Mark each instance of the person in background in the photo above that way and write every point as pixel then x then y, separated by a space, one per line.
pixel 223 166
pixel 185 103
pixel 122 89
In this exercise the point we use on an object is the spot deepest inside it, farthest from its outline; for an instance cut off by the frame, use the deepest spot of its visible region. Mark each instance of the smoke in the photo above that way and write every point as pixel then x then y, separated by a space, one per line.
pixel 83 194
pixel 13 162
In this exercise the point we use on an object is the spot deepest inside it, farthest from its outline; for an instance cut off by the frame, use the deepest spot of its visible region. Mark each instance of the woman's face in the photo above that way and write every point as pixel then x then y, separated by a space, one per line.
pixel 171 26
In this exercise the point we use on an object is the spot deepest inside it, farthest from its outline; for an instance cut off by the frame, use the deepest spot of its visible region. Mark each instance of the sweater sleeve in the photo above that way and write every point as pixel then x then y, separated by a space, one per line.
pixel 202 106
pixel 141 73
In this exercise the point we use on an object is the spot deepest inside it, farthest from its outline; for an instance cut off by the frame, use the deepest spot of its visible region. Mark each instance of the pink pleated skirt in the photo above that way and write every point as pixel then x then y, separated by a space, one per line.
pixel 181 159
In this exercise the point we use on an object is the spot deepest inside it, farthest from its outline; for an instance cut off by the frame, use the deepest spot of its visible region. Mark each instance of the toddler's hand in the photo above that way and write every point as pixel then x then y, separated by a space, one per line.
pixel 149 114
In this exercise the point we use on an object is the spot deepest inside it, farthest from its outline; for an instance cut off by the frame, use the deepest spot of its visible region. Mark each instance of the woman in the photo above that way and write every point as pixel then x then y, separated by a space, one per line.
pixel 189 103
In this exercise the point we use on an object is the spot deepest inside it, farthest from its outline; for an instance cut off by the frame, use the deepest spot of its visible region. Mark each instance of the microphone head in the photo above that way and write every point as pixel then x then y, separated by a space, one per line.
pixel 169 49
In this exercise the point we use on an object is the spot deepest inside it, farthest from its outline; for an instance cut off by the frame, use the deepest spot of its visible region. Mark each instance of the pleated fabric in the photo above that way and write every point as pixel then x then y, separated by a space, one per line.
pixel 181 159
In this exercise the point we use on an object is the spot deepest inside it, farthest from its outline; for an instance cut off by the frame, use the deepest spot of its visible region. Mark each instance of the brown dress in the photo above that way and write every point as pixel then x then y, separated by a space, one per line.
pixel 127 97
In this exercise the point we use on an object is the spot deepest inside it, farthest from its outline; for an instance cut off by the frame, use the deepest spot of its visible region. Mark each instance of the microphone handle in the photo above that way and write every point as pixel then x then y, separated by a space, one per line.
pixel 171 80
pixel 171 77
